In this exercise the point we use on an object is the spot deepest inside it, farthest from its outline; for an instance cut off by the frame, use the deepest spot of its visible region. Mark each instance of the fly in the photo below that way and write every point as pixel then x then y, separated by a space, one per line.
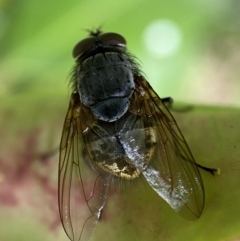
pixel 117 126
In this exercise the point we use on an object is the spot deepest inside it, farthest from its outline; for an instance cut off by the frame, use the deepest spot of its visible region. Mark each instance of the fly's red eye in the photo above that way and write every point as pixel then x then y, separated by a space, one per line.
pixel 106 40
pixel 83 46
pixel 113 38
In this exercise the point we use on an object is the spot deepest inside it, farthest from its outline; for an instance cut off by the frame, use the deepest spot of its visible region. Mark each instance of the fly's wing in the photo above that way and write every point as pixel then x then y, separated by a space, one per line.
pixel 155 145
pixel 82 191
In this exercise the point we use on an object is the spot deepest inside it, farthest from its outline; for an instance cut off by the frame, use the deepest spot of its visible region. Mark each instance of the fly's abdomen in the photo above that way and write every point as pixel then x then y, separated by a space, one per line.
pixel 107 155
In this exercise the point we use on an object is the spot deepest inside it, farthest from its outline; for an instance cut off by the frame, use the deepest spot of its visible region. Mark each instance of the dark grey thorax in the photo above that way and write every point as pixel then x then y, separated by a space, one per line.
pixel 105 84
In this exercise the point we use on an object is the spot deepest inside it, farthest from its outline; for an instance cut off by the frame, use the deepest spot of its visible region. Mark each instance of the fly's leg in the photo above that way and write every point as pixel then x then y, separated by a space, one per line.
pixel 210 170
pixel 168 101
pixel 207 169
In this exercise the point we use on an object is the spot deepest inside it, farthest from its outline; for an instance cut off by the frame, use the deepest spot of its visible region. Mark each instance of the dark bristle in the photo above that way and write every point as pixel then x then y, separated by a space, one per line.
pixel 95 33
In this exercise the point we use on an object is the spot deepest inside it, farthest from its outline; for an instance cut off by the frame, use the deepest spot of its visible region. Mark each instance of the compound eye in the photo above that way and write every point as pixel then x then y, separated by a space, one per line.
pixel 83 46
pixel 112 39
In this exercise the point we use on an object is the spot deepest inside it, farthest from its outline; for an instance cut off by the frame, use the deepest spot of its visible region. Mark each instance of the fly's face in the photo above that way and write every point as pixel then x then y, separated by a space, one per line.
pixel 116 125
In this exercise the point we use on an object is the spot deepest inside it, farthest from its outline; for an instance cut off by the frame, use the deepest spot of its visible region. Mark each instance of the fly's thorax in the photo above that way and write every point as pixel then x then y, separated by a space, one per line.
pixel 105 84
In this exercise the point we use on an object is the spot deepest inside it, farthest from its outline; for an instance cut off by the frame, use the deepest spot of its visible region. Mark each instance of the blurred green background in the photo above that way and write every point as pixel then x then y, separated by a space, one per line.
pixel 188 49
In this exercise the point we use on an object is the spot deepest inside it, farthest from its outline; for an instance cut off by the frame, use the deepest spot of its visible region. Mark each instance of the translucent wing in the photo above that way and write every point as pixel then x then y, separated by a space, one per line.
pixel 151 138
pixel 82 191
